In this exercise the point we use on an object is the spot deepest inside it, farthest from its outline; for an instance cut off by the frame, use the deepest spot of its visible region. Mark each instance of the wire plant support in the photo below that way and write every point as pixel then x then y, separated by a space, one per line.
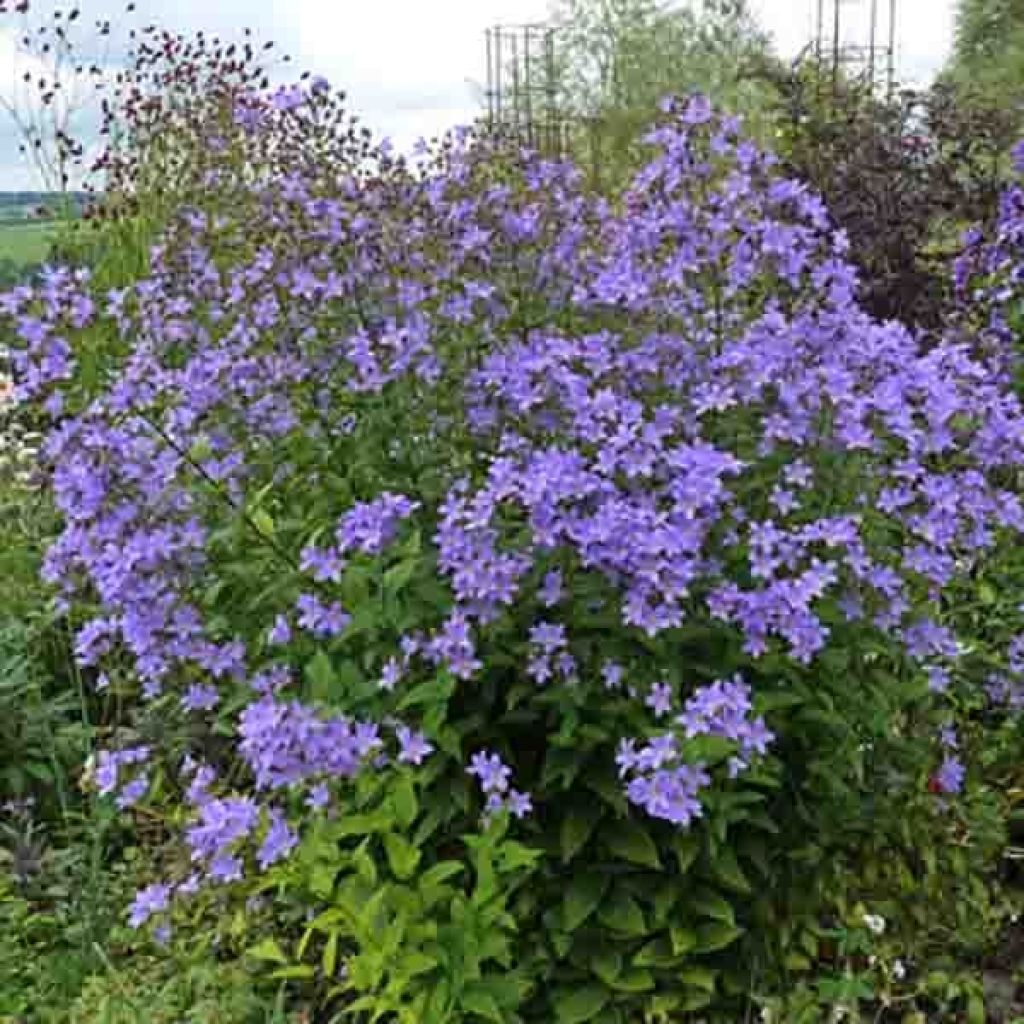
pixel 856 39
pixel 522 87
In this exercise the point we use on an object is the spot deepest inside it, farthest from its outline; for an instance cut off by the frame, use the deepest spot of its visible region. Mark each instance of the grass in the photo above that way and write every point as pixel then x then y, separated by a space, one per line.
pixel 25 243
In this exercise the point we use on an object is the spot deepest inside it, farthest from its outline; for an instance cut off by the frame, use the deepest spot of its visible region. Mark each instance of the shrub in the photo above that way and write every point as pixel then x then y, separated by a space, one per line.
pixel 538 600
pixel 903 176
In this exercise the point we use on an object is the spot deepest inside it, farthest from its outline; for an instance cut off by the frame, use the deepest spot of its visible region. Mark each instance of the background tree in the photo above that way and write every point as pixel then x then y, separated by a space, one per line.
pixel 987 61
pixel 620 57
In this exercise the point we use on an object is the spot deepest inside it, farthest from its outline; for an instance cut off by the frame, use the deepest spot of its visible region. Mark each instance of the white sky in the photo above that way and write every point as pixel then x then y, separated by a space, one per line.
pixel 416 67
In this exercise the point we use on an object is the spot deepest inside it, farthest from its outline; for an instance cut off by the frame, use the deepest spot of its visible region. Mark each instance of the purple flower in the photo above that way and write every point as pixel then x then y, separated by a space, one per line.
pixel 698 111
pixel 950 776
pixel 200 697
pixel 391 674
pixel 324 564
pixel 492 772
pixel 612 674
pixel 319 796
pixel 660 699
pixel 552 590
pixel 224 868
pixel 279 841
pixel 413 746
pixel 938 678
pixel 519 804
pixel 370 526
pixel 319 619
pixel 133 792
pixel 109 774
pixel 281 632
pixel 153 899
pixel 288 98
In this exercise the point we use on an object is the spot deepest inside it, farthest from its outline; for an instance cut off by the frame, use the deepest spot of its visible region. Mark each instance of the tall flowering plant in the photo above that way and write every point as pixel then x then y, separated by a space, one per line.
pixel 435 501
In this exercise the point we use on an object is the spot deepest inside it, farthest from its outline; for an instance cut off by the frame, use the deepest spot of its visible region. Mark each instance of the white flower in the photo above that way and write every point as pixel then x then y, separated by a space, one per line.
pixel 874 923
pixel 899 972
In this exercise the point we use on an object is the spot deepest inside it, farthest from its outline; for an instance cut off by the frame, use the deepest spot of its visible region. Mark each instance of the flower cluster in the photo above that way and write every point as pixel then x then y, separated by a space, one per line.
pixel 663 412
pixel 110 776
pixel 660 777
pixel 493 775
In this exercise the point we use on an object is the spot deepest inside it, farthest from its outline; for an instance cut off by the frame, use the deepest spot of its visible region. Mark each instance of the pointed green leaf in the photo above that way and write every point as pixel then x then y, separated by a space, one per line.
pixel 404 801
pixel 320 675
pixel 606 965
pixel 296 973
pixel 622 914
pixel 329 961
pixel 699 977
pixel 581 898
pixel 686 847
pixel 268 950
pixel 629 841
pixel 682 939
pixel 577 827
pixel 656 953
pixel 580 1003
pixel 712 937
pixel 711 904
pixel 728 871
pixel 403 857
pixel 478 1001
pixel 634 980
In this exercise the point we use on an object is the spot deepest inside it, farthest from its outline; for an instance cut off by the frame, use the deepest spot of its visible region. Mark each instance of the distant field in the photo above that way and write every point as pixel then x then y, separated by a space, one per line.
pixel 25 243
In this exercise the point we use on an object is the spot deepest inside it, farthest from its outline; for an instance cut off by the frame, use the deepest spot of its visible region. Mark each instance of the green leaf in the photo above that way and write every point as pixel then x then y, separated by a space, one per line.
pixel 699 977
pixel 727 870
pixel 694 1001
pixel 607 965
pixel 577 827
pixel 320 675
pixel 440 873
pixel 975 1009
pixel 396 578
pixel 200 450
pixel 321 879
pixel 629 841
pixel 299 972
pixel 414 964
pixel 263 522
pixel 404 801
pixel 656 953
pixel 578 1004
pixel 432 691
pixel 634 980
pixel 477 1000
pixel 710 904
pixel 622 914
pixel 364 865
pixel 268 950
pixel 403 857
pixel 686 848
pixel 712 937
pixel 682 939
pixel 329 961
pixel 581 898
